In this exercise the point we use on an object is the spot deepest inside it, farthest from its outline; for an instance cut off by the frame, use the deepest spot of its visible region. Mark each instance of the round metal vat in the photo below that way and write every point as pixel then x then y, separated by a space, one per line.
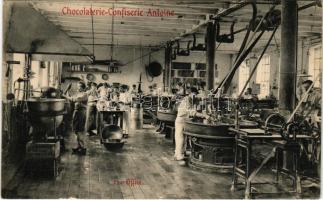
pixel 112 137
pixel 112 132
pixel 219 129
pixel 166 116
pixel 46 106
pixel 45 115
pixel 212 145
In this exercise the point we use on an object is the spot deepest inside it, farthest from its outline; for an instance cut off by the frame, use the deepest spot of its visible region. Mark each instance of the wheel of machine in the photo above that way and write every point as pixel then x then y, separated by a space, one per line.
pixel 164 102
pixel 275 122
pixel 289 129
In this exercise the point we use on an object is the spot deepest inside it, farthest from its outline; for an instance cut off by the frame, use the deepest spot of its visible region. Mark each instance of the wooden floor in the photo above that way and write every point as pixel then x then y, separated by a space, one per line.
pixel 147 157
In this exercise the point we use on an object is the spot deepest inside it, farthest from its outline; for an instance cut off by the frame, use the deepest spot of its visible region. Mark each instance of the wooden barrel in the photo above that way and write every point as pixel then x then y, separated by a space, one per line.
pixel 136 118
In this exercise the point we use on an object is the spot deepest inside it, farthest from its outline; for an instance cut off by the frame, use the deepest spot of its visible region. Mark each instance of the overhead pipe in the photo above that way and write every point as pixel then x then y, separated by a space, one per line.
pixel 220 14
pixel 225 84
pixel 240 57
pixel 314 3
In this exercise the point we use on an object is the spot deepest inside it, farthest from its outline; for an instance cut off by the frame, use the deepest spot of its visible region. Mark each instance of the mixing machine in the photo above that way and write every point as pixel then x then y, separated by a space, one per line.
pixel 43 151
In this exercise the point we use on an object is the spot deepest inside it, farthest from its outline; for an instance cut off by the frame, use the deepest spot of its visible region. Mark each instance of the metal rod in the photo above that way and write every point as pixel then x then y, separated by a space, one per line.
pixel 260 23
pixel 240 56
pixel 314 3
pixel 240 30
pixel 250 76
pixel 232 9
pixel 258 61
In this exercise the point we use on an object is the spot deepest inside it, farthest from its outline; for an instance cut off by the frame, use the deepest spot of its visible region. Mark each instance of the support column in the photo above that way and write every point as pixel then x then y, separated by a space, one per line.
pixel 167 70
pixel 288 55
pixel 210 54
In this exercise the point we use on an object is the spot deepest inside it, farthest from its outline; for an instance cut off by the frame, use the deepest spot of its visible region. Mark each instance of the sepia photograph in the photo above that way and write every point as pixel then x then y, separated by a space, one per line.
pixel 161 99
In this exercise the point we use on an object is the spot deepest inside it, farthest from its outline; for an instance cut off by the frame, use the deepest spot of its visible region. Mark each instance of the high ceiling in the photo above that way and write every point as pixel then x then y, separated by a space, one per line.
pixel 189 16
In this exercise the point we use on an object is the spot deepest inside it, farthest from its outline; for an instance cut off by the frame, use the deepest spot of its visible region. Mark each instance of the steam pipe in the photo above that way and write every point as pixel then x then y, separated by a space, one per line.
pixel 222 13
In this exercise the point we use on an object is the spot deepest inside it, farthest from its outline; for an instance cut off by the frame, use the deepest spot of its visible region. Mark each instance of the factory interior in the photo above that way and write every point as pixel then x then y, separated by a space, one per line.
pixel 171 99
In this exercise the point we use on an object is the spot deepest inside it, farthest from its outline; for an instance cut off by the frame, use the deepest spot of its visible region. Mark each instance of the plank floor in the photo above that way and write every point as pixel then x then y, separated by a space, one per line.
pixel 147 157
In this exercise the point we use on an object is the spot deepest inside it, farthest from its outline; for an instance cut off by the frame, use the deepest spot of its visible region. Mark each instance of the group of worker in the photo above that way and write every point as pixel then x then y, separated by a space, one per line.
pixel 85 110
pixel 85 99
pixel 84 115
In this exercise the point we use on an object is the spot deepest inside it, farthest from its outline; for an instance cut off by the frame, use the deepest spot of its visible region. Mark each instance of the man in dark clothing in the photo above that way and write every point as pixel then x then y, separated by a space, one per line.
pixel 79 117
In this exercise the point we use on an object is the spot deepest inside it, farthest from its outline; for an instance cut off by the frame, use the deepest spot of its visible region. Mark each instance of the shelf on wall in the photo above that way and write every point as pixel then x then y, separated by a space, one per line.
pixel 88 68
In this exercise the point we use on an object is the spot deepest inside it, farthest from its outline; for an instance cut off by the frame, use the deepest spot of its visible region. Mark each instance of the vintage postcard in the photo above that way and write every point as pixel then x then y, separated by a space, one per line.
pixel 161 99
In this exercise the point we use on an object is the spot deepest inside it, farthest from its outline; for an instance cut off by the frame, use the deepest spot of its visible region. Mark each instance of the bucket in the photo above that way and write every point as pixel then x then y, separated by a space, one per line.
pixel 136 118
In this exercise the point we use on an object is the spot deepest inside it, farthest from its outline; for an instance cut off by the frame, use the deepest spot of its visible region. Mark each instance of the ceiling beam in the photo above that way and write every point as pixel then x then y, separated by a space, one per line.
pixel 90 46
pixel 123 24
pixel 120 28
pixel 122 19
pixel 89 33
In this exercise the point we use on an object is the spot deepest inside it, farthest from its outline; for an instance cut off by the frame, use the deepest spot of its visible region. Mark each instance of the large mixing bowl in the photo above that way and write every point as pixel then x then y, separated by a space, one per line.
pixel 112 137
pixel 46 106
pixel 219 129
pixel 45 114
pixel 44 123
pixel 112 133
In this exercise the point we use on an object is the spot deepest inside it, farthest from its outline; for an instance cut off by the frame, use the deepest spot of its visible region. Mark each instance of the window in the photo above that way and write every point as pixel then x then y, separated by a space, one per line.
pixel 314 65
pixel 263 76
pixel 244 72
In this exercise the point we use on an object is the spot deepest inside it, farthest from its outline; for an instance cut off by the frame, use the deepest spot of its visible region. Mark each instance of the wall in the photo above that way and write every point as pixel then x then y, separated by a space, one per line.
pixel 222 61
pixel 130 72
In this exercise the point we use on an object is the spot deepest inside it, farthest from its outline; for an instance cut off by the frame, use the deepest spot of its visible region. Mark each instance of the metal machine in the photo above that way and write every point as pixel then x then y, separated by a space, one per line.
pixel 209 144
pixel 43 151
pixel 40 116
pixel 111 125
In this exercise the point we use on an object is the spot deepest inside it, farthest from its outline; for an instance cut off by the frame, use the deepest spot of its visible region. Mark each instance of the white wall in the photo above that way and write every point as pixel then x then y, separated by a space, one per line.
pixel 129 73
